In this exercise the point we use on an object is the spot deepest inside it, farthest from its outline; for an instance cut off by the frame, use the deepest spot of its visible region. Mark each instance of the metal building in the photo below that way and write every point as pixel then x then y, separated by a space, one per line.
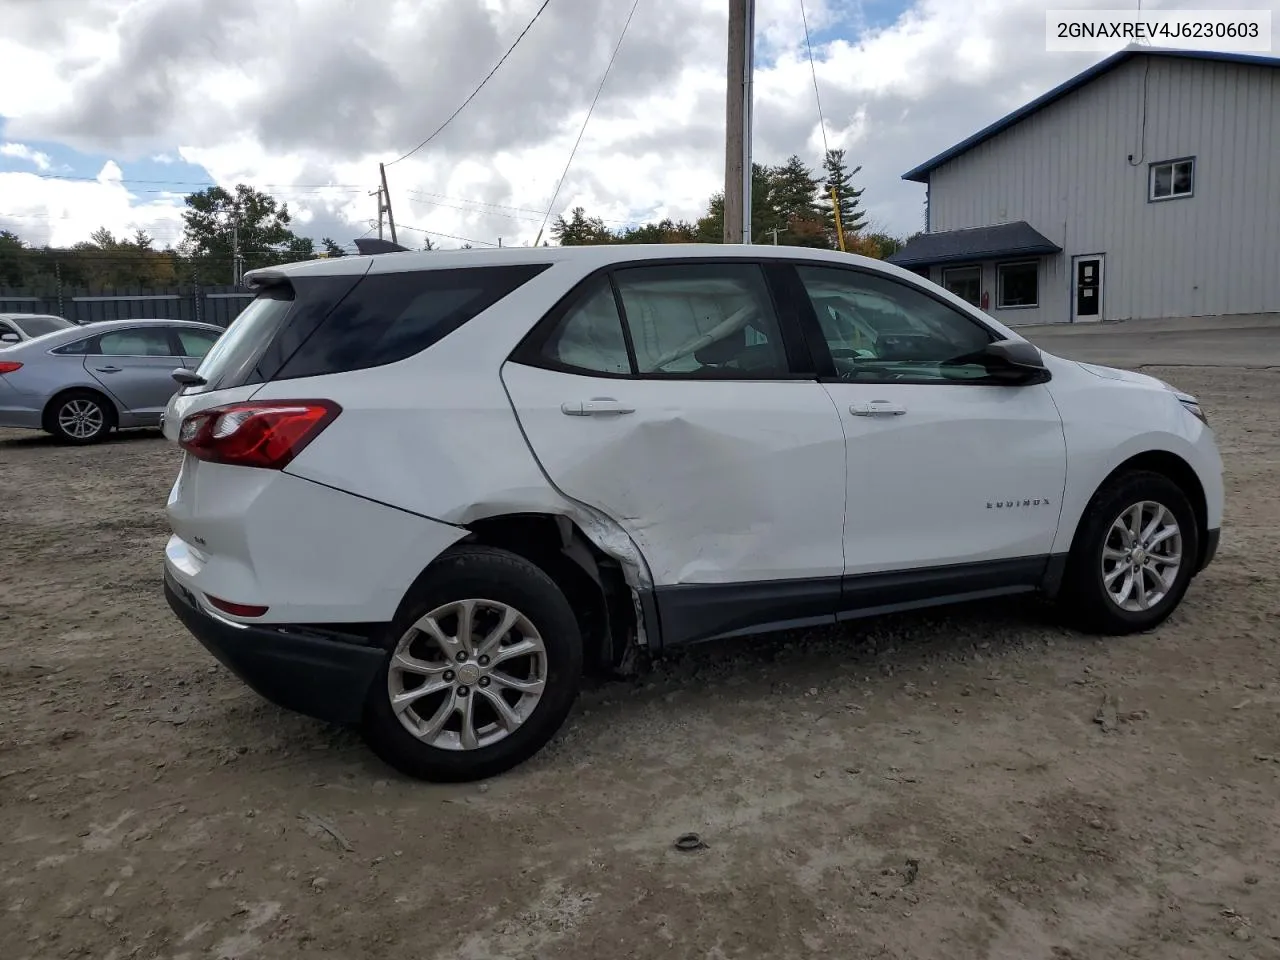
pixel 1146 186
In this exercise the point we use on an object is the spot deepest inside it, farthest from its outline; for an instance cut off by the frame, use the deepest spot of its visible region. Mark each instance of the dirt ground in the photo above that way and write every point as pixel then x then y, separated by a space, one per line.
pixel 915 787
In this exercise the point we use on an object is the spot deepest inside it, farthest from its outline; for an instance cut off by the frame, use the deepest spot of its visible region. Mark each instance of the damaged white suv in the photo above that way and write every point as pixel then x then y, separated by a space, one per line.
pixel 423 492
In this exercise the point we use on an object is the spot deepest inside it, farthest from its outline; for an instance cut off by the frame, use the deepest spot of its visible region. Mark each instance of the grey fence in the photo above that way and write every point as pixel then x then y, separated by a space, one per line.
pixel 218 305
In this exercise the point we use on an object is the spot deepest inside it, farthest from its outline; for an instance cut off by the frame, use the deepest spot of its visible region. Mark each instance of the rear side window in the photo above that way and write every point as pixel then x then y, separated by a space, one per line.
pixel 391 316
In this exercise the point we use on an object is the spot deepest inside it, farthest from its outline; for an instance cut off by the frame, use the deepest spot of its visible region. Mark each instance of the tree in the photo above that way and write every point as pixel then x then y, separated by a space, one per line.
pixel 332 249
pixel 579 229
pixel 14 259
pixel 427 244
pixel 213 216
pixel 840 177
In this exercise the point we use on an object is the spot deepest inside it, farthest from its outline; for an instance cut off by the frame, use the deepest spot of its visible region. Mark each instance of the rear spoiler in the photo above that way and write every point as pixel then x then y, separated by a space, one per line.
pixel 266 276
pixel 367 246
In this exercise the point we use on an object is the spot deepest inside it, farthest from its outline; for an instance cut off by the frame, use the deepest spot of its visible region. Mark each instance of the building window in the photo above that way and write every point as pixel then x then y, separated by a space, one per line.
pixel 1173 178
pixel 964 282
pixel 1018 284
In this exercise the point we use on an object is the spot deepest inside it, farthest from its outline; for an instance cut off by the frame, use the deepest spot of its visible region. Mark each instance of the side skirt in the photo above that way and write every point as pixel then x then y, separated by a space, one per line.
pixel 691 613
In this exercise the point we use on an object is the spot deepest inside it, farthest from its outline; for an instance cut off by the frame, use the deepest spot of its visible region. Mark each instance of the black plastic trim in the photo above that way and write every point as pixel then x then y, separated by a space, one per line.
pixel 304 669
pixel 1212 538
pixel 692 613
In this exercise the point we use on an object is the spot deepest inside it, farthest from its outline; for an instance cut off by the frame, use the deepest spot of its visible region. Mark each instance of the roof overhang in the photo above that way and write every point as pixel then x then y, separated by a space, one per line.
pixel 1000 241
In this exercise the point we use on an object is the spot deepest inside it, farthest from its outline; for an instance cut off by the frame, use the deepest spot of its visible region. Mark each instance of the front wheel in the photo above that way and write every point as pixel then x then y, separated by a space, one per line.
pixel 483 665
pixel 1134 557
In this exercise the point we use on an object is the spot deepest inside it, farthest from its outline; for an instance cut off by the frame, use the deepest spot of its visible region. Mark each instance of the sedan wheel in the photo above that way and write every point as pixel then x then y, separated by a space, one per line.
pixel 80 418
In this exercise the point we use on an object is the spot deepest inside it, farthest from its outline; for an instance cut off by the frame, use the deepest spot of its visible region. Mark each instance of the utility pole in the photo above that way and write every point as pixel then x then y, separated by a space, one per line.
pixel 236 272
pixel 738 103
pixel 386 200
pixel 378 193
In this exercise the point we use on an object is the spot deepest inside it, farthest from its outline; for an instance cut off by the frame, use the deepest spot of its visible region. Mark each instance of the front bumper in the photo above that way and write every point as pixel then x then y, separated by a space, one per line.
pixel 295 668
pixel 1210 549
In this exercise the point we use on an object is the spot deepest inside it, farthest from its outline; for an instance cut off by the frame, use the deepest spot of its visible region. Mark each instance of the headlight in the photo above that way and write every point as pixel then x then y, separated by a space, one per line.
pixel 1189 403
pixel 1192 406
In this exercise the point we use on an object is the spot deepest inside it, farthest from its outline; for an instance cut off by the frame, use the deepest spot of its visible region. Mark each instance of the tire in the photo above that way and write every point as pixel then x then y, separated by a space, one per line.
pixel 495 581
pixel 70 414
pixel 1085 595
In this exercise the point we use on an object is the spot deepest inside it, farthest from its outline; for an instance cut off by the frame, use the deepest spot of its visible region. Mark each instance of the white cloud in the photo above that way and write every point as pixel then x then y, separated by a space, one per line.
pixel 20 151
pixel 324 101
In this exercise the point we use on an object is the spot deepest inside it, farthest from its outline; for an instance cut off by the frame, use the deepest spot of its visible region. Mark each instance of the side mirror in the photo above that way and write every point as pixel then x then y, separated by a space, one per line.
pixel 10 338
pixel 188 378
pixel 1015 362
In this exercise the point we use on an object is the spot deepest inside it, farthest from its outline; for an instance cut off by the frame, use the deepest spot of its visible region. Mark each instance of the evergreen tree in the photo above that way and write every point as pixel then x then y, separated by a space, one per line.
pixel 841 177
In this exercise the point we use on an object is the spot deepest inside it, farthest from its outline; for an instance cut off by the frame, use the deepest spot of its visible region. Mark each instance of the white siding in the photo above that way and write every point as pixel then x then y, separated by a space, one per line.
pixel 1066 171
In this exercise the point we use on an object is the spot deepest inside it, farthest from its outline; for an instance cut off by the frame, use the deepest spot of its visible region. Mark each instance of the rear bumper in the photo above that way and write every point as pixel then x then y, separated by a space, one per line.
pixel 295 668
pixel 1211 540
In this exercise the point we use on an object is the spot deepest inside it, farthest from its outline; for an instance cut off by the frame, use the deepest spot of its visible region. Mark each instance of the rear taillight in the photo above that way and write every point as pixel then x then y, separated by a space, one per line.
pixel 9 366
pixel 257 433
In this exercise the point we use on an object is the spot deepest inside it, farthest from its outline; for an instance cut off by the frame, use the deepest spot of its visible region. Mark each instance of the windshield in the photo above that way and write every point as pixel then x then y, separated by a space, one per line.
pixel 39 326
pixel 242 346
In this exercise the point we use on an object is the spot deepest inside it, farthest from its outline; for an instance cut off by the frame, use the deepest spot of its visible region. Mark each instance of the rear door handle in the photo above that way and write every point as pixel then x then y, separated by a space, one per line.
pixel 876 408
pixel 108 369
pixel 595 407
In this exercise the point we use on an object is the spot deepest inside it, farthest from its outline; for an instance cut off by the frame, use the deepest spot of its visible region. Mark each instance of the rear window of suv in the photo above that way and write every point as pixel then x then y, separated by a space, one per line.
pixel 391 316
pixel 333 324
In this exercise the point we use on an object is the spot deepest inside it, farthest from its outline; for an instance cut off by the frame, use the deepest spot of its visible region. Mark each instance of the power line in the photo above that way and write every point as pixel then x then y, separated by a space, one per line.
pixel 449 236
pixel 813 70
pixel 488 76
pixel 186 183
pixel 586 120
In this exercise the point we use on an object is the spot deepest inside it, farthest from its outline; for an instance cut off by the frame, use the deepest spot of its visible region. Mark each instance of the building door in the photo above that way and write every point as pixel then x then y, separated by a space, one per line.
pixel 1087 275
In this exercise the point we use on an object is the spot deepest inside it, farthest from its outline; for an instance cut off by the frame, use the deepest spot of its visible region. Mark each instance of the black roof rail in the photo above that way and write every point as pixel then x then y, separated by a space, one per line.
pixel 366 246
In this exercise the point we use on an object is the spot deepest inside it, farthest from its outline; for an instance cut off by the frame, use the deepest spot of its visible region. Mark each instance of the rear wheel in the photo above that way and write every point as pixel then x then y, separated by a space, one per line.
pixel 80 417
pixel 1134 555
pixel 483 665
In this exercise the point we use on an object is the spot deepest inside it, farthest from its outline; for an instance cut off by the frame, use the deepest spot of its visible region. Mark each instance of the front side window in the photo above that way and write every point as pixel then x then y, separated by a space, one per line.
pixel 1018 284
pixel 711 320
pixel 135 343
pixel 195 343
pixel 1172 179
pixel 880 329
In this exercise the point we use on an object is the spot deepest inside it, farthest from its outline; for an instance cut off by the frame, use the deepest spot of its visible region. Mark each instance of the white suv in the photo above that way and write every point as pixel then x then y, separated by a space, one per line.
pixel 423 492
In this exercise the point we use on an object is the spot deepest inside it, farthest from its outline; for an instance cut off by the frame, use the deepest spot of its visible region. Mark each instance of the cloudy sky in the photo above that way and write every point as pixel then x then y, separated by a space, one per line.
pixel 112 110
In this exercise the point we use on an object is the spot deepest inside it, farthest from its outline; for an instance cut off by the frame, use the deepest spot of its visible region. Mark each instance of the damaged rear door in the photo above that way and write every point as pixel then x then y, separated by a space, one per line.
pixel 674 398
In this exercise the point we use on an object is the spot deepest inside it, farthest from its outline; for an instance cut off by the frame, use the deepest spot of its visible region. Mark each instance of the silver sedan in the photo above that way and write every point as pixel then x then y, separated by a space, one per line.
pixel 83 382
pixel 17 327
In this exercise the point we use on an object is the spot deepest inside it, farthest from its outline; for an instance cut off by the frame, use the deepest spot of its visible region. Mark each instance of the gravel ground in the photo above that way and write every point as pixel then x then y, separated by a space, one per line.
pixel 977 782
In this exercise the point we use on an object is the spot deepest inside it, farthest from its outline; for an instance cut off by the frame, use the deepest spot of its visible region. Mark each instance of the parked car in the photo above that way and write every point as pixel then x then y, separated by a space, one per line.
pixel 80 383
pixel 422 493
pixel 18 327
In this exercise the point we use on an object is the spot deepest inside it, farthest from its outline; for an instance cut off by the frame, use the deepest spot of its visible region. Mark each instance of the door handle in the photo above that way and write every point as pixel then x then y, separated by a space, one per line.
pixel 595 407
pixel 108 369
pixel 876 408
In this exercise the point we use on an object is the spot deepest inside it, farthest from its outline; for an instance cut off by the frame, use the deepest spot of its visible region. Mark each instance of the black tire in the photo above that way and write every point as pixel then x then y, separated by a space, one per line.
pixel 105 415
pixel 1085 598
pixel 477 572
